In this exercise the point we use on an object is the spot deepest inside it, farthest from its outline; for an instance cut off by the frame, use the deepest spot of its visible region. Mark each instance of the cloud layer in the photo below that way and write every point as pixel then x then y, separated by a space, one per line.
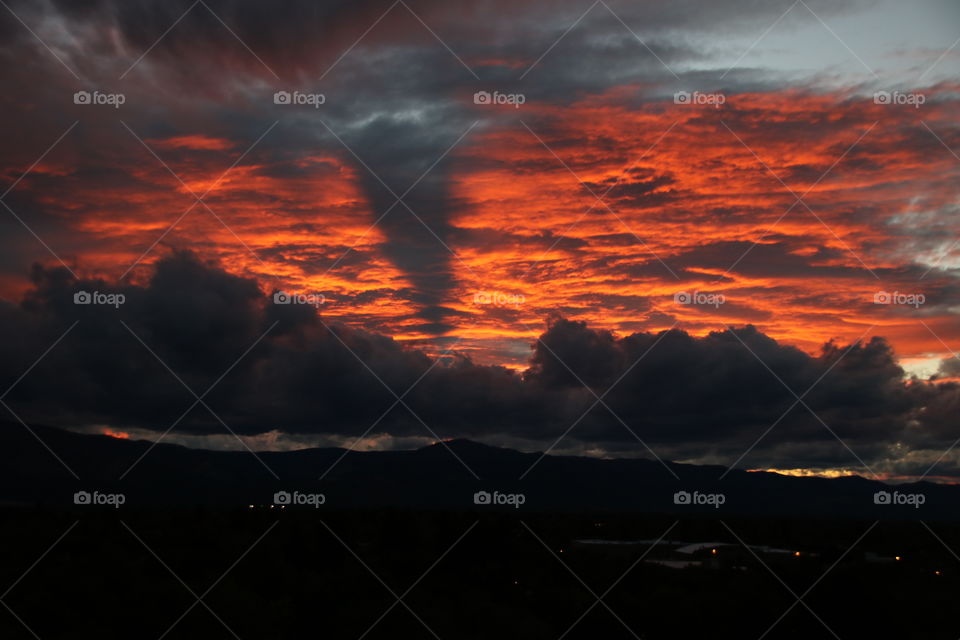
pixel 500 199
pixel 283 367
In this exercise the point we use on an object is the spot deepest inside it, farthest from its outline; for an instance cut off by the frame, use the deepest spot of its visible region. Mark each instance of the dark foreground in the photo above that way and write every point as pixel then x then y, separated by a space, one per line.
pixel 297 573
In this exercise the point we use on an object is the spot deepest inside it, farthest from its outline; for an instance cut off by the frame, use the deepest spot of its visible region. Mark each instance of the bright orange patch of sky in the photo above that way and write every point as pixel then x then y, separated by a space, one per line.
pixel 527 225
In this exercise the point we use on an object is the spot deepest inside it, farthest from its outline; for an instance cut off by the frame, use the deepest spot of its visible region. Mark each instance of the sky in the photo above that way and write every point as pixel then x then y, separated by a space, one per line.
pixel 715 232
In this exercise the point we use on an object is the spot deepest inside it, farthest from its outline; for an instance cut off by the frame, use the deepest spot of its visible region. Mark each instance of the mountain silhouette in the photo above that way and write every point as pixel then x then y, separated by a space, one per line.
pixel 440 476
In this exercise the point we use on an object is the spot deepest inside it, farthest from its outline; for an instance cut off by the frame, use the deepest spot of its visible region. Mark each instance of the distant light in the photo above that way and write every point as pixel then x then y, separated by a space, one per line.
pixel 796 554
pixel 713 551
pixel 561 550
pixel 897 558
pixel 936 573
pixel 250 506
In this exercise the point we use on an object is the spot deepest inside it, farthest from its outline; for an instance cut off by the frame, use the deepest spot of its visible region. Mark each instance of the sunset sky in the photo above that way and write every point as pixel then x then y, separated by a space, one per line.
pixel 790 168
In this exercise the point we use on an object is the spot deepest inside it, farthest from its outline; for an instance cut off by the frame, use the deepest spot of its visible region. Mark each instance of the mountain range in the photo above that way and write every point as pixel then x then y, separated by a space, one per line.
pixel 454 475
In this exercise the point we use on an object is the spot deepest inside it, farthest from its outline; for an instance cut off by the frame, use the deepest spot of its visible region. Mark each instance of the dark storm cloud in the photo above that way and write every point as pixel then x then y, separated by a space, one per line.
pixel 685 396
pixel 723 391
pixel 199 320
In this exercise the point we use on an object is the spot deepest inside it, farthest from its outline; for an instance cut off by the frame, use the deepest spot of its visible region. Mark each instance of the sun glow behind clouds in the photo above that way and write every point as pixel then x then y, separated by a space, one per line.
pixel 810 473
